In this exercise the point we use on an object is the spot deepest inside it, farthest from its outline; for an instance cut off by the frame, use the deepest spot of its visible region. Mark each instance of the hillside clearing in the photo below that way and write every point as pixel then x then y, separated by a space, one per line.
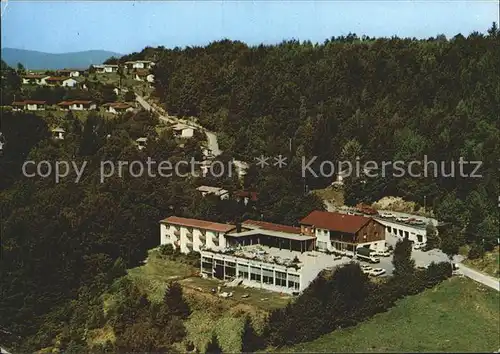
pixel 455 316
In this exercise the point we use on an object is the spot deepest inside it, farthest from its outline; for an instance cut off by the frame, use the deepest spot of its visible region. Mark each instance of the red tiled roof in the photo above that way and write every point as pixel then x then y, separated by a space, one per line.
pixel 142 72
pixel 81 101
pixel 69 103
pixel 272 227
pixel 34 76
pixel 117 105
pixel 201 224
pixel 335 221
pixel 22 103
pixel 56 78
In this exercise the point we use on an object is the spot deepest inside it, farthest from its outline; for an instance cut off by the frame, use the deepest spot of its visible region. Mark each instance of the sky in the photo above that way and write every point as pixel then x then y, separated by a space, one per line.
pixel 126 26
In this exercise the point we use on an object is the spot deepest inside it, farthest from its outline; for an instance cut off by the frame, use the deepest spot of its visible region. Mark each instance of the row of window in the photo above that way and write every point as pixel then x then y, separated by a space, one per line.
pixel 256 274
pixel 402 233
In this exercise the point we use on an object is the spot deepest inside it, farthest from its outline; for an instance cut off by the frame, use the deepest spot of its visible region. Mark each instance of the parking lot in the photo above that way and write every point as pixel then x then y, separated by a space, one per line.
pixel 422 259
pixel 314 262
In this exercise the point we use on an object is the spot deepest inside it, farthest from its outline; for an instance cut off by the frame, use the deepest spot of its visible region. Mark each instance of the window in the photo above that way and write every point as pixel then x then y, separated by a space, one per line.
pixel 389 229
pixel 406 234
pixel 255 274
pixel 267 276
pixel 243 272
pixel 280 279
pixel 293 281
pixel 230 269
pixel 322 245
pixel 206 264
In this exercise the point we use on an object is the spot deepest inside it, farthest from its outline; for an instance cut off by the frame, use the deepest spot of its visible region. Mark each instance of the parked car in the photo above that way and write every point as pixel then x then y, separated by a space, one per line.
pixel 402 218
pixel 385 253
pixel 387 215
pixel 419 246
pixel 377 272
pixel 366 269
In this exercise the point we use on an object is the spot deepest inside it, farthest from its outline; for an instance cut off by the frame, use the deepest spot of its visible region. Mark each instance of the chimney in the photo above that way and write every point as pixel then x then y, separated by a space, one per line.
pixel 238 227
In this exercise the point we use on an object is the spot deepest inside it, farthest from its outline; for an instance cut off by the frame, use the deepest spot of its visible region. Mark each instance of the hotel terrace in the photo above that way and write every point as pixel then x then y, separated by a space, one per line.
pixel 267 255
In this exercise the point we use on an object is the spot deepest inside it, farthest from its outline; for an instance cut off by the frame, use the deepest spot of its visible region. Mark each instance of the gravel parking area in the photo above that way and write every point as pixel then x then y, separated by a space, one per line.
pixel 422 259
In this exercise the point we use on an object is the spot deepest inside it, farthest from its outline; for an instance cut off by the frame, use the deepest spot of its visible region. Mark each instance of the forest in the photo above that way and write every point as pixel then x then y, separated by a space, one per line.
pixel 379 99
pixel 384 99
pixel 63 244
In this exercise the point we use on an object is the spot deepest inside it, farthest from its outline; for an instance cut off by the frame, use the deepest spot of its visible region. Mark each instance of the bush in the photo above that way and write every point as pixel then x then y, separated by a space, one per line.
pixel 436 273
pixel 167 250
pixel 351 298
pixel 476 251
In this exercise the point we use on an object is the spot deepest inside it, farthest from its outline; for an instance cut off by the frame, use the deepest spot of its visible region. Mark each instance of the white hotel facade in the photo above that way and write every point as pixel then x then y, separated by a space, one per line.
pixel 274 271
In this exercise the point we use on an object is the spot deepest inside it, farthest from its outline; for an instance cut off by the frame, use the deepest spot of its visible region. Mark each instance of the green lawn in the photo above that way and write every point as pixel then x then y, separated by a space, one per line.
pixel 456 316
pixel 153 277
pixel 210 313
pixel 259 298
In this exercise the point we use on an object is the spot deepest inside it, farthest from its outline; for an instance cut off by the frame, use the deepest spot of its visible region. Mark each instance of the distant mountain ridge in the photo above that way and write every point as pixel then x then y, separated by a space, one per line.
pixel 34 60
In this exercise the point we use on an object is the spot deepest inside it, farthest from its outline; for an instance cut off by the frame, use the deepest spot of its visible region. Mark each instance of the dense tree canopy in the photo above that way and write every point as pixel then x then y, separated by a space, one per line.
pixel 376 99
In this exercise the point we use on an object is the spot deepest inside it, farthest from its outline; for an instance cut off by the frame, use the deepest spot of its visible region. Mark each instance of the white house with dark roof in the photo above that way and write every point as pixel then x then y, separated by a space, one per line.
pixel 117 107
pixel 71 72
pixel 77 105
pixel 104 68
pixel 29 105
pixel 139 64
pixel 35 79
pixel 208 190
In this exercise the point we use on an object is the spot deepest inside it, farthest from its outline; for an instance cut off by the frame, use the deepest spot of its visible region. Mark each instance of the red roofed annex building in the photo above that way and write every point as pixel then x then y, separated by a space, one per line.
pixel 342 232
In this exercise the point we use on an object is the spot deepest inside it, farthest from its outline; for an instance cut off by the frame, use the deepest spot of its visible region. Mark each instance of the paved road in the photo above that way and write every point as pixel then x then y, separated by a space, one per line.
pixel 213 144
pixel 479 277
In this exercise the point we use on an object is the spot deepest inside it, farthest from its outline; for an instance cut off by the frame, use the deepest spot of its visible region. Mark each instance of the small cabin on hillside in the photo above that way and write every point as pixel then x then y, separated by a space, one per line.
pixel 58 133
pixel 29 105
pixel 35 79
pixel 77 105
pixel 118 107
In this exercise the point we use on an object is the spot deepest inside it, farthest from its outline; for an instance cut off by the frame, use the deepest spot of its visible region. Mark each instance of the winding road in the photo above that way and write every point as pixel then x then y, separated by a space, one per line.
pixel 479 277
pixel 212 142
